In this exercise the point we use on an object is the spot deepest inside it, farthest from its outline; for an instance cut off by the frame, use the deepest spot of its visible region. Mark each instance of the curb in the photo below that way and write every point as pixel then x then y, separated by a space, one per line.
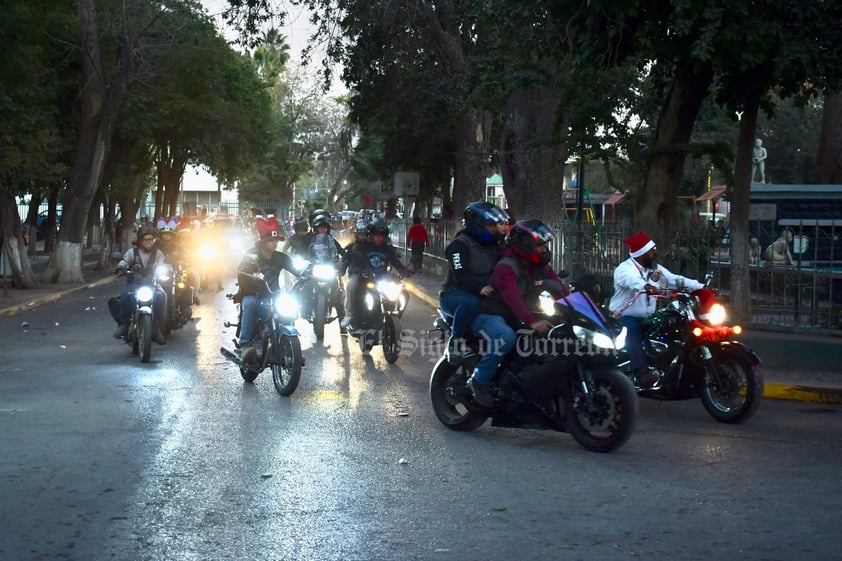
pixel 785 392
pixel 48 298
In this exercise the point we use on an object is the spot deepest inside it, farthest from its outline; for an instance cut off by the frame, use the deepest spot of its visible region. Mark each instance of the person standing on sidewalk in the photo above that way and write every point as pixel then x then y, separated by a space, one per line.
pixel 471 257
pixel 417 240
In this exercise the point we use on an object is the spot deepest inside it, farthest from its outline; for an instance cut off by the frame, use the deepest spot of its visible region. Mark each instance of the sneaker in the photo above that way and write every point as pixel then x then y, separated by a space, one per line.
pixel 247 352
pixel 121 331
pixel 646 379
pixel 482 392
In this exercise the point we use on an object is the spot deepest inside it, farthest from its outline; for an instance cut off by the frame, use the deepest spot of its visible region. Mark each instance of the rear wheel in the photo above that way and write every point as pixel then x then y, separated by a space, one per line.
pixel 144 336
pixel 735 394
pixel 452 399
pixel 391 339
pixel 286 364
pixel 605 420
pixel 319 314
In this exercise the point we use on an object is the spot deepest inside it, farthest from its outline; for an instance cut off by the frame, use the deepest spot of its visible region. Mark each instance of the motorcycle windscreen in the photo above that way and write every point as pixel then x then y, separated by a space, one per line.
pixel 582 303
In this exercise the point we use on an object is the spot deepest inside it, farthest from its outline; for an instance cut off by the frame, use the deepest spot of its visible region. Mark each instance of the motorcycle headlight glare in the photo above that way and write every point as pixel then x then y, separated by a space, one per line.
pixel 620 340
pixel 286 305
pixel 546 303
pixel 595 338
pixel 369 301
pixel 144 294
pixel 163 272
pixel 207 253
pixel 390 289
pixel 323 271
pixel 716 315
pixel 299 263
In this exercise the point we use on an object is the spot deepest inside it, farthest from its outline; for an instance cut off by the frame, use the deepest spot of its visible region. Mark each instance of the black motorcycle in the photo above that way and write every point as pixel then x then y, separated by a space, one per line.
pixel 694 355
pixel 139 333
pixel 176 284
pixel 276 338
pixel 378 321
pixel 566 381
pixel 321 291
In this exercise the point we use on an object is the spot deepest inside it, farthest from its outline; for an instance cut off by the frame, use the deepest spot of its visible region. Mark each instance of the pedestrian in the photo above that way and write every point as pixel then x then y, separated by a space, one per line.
pixel 417 240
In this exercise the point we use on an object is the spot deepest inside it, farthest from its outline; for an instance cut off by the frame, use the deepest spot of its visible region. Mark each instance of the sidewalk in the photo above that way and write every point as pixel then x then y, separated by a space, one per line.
pixel 795 367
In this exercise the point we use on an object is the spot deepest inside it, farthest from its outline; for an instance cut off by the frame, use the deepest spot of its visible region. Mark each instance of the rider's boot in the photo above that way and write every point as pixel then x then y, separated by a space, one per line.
pixel 482 392
pixel 121 331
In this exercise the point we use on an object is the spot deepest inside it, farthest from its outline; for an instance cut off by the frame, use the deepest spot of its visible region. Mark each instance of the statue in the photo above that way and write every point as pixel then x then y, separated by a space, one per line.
pixel 754 251
pixel 778 251
pixel 759 159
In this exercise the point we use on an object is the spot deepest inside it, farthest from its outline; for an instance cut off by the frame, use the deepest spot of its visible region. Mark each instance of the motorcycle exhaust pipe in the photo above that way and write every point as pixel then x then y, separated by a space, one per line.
pixel 231 356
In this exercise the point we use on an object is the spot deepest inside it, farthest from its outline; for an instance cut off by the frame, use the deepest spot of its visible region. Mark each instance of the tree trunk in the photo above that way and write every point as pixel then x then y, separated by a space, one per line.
pixel 472 151
pixel 740 203
pixel 532 163
pixel 14 247
pixel 655 206
pixel 829 158
pixel 100 102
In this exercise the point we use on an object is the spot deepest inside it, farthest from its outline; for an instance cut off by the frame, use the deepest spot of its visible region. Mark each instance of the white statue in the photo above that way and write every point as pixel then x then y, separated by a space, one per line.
pixel 759 159
pixel 777 253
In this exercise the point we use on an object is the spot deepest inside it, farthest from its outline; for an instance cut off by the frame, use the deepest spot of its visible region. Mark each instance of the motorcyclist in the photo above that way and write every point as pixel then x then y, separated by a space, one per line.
pixel 376 256
pixel 520 275
pixel 138 264
pixel 360 234
pixel 635 281
pixel 324 248
pixel 263 258
pixel 471 257
pixel 299 241
pixel 176 256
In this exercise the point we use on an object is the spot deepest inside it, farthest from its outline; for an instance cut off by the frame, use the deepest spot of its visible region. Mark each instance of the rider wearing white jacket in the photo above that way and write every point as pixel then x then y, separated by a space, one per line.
pixel 635 280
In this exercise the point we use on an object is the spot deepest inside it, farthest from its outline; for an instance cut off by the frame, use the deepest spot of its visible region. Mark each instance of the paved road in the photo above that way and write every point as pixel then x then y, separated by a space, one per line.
pixel 105 457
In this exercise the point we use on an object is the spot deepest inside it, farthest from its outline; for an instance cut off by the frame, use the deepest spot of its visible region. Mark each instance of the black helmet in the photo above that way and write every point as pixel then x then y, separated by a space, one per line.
pixel 300 225
pixel 320 220
pixel 526 235
pixel 317 213
pixel 378 225
pixel 144 231
pixel 481 213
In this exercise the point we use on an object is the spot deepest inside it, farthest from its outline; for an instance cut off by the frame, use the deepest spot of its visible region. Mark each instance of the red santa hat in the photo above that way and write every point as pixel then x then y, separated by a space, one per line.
pixel 639 243
pixel 267 227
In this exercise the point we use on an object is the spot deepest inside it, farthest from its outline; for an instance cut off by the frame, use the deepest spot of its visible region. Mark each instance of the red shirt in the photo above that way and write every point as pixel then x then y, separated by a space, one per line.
pixel 417 233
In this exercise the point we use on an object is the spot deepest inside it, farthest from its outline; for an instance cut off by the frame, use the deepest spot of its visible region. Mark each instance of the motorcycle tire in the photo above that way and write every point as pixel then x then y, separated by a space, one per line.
pixel 610 421
pixel 319 314
pixel 286 366
pixel 134 341
pixel 741 394
pixel 144 337
pixel 391 339
pixel 451 399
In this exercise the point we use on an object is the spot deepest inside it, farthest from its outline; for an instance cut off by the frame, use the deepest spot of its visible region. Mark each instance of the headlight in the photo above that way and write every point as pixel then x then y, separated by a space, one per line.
pixel 716 315
pixel 546 303
pixel 595 338
pixel 207 253
pixel 286 305
pixel 390 289
pixel 620 341
pixel 299 263
pixel 163 272
pixel 144 294
pixel 324 272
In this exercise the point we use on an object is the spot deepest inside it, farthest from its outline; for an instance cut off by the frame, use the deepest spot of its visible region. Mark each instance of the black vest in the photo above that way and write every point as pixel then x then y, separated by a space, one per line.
pixel 481 262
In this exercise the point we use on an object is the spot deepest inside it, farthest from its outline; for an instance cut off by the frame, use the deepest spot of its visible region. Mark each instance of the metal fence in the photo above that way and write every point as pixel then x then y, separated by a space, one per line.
pixel 807 293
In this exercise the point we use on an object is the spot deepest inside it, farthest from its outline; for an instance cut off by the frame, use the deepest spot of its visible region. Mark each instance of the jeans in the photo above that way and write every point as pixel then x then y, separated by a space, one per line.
pixel 250 307
pixel 461 307
pixel 499 340
pixel 634 341
pixel 127 305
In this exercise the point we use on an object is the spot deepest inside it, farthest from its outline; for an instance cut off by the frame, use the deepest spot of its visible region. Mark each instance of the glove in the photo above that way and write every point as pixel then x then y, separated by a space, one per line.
pixel 119 271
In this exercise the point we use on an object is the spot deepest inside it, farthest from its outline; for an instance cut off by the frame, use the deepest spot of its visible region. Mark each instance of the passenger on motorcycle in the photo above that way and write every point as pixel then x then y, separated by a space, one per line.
pixel 139 264
pixel 521 274
pixel 376 256
pixel 471 257
pixel 635 280
pixel 299 241
pixel 266 259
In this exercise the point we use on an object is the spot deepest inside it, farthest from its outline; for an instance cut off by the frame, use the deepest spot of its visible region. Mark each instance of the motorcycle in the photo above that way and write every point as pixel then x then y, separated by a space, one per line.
pixel 139 333
pixel 378 322
pixel 566 380
pixel 276 338
pixel 693 353
pixel 179 297
pixel 321 288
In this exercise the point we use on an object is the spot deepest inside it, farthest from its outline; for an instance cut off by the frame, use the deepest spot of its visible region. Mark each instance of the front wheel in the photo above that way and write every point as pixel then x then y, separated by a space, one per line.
pixel 452 399
pixel 144 336
pixel 319 314
pixel 604 420
pixel 391 339
pixel 735 393
pixel 286 364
